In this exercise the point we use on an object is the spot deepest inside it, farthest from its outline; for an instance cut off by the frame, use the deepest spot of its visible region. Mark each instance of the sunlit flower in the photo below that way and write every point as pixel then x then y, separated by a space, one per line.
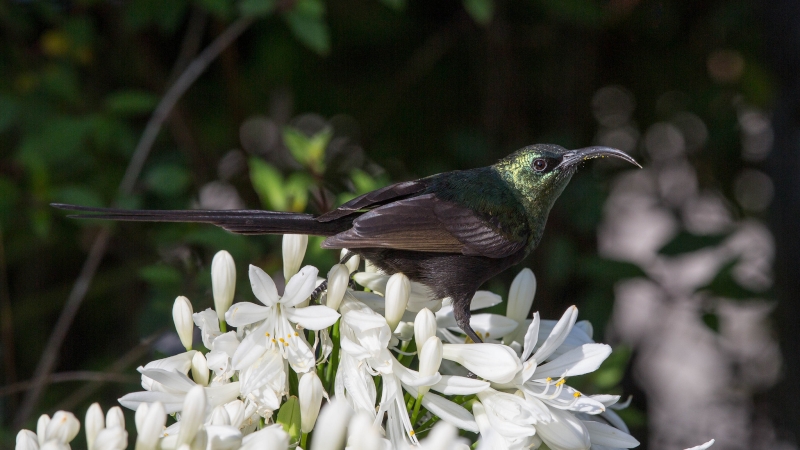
pixel 276 317
pixel 223 282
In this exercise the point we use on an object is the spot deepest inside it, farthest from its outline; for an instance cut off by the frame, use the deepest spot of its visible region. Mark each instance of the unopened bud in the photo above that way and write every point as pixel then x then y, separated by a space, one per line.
pixel 353 262
pixel 294 249
pixel 424 326
pixel 310 395
pixel 182 315
pixel 200 369
pixel 398 289
pixel 223 282
pixel 338 278
pixel 430 358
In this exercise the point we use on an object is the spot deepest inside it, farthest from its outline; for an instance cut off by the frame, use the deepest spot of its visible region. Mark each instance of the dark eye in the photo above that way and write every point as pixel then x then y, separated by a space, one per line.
pixel 539 165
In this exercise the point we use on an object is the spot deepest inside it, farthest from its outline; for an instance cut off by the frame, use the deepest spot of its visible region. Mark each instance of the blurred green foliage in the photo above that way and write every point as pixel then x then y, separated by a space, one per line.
pixel 409 88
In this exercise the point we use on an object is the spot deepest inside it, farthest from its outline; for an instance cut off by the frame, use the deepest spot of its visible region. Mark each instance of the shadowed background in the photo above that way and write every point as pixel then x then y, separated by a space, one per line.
pixel 306 103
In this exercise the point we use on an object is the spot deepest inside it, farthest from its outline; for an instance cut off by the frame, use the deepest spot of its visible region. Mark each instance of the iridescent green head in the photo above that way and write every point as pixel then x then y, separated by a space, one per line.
pixel 539 173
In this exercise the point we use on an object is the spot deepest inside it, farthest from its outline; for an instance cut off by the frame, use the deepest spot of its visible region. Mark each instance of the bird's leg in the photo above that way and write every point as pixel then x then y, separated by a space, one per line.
pixel 462 313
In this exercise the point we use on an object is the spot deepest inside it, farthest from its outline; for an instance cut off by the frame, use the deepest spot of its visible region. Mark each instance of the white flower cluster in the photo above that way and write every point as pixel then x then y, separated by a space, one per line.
pixel 390 360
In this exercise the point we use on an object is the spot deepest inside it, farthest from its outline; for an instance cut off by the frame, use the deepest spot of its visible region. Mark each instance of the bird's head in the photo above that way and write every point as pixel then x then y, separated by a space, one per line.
pixel 541 172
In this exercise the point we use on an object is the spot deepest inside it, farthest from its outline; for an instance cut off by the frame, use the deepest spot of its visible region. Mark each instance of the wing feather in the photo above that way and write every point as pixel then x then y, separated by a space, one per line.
pixel 375 198
pixel 426 223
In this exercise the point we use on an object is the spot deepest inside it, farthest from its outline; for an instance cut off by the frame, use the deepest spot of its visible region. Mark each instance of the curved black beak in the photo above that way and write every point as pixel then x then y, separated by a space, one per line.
pixel 574 157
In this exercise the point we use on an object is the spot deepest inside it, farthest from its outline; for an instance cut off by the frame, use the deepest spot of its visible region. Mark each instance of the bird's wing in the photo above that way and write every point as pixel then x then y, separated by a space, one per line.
pixel 375 198
pixel 426 223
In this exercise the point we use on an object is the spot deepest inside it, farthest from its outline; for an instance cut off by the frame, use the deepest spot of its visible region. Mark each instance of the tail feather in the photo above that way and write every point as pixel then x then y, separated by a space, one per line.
pixel 246 221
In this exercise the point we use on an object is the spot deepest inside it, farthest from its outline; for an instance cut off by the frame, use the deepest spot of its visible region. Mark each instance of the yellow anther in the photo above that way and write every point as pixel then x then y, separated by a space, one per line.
pixel 273 340
pixel 561 381
pixel 266 334
pixel 289 335
pixel 576 394
pixel 487 334
pixel 411 433
pixel 296 334
pixel 280 339
pixel 286 344
pixel 548 379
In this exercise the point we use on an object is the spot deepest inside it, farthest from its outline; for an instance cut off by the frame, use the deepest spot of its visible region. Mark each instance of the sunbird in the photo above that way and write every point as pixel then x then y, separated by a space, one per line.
pixel 451 231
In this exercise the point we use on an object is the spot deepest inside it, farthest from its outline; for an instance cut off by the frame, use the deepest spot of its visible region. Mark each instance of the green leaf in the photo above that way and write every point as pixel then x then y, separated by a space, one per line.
pixel 297 187
pixel 168 179
pixel 289 418
pixel 8 112
pixel 608 270
pixel 131 102
pixel 307 24
pixel 256 7
pixel 161 275
pixel 725 285
pixel 309 151
pixel 481 11
pixel 268 184
pixel 712 321
pixel 58 141
pixel 78 195
pixel 686 242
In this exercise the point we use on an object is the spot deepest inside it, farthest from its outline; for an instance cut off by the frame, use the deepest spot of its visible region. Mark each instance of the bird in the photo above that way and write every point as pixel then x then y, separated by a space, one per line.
pixel 450 232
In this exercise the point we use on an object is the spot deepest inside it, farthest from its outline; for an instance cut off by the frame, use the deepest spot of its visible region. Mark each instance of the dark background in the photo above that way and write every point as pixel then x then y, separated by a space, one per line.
pixel 408 89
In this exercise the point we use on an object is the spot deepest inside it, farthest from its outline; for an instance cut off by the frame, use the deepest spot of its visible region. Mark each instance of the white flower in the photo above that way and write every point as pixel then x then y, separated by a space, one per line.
pixel 268 438
pixel 200 369
pixel 494 362
pixel 520 299
pixel 424 326
pixel 27 440
pixel 278 314
pixel 94 422
pixel 352 263
pixel 223 282
pixel 208 322
pixel 294 248
pixel 338 279
pixel 310 394
pixel 703 446
pixel 263 382
pixel 398 289
pixel 430 358
pixel 332 424
pixel 182 316
pixel 490 327
pixel 150 420
pixel 105 433
pixel 193 414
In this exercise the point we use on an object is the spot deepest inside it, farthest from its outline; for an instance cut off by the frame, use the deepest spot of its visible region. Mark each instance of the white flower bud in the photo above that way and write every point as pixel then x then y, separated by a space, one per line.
pixel 369 267
pixel 310 395
pixel 430 358
pixel 332 424
pixel 520 296
pixel 93 423
pixel 27 440
pixel 219 416
pixel 149 425
pixel 405 331
pixel 112 438
pixel 182 315
pixel 200 369
pixel 115 418
pixel 338 278
pixel 192 415
pixel 398 289
pixel 363 434
pixel 223 282
pixel 493 362
pixel 424 326
pixel 352 263
pixel 294 249
pixel 63 427
pixel 41 428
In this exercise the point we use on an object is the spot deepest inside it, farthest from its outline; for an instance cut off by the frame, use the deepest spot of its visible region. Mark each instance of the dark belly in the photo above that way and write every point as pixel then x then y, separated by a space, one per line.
pixel 446 274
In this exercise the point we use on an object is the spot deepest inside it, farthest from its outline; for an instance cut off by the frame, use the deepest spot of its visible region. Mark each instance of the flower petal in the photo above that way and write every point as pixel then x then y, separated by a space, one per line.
pixel 172 402
pixel 564 431
pixel 263 287
pixel 315 317
pixel 484 299
pixel 245 313
pixel 703 446
pixel 531 336
pixel 602 434
pixel 455 385
pixel 492 325
pixel 494 362
pixel 584 359
pixel 557 336
pixel 450 412
pixel 300 287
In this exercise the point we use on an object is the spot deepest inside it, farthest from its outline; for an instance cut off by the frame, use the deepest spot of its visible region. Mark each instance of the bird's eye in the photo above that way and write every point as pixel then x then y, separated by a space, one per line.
pixel 539 165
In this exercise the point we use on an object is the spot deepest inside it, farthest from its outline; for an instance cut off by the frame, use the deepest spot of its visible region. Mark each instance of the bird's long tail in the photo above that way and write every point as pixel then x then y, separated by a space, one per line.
pixel 235 221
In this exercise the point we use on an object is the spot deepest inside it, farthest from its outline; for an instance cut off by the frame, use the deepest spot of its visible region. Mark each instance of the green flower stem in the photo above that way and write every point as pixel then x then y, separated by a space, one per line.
pixel 415 414
pixel 330 372
pixel 304 440
pixel 427 425
pixel 223 326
